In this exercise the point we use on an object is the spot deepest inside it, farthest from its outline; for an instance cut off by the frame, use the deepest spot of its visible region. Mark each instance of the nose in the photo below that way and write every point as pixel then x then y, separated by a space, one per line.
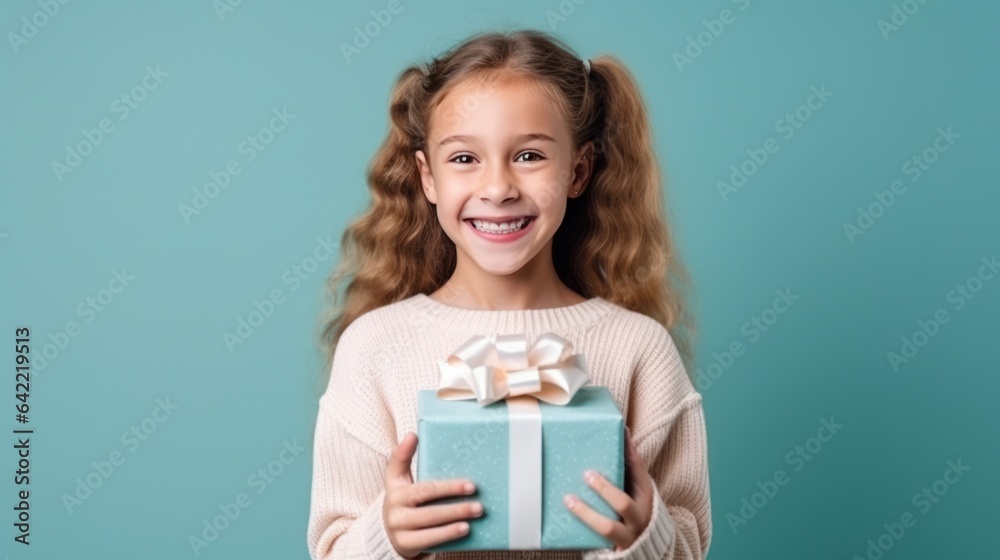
pixel 499 185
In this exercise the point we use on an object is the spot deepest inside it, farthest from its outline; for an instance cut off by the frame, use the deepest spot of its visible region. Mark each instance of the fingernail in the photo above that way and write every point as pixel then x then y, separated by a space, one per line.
pixel 589 475
pixel 477 508
pixel 469 487
pixel 570 501
pixel 464 527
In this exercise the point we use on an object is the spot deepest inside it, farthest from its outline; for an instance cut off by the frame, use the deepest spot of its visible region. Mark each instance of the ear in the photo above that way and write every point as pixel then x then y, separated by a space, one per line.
pixel 426 179
pixel 583 165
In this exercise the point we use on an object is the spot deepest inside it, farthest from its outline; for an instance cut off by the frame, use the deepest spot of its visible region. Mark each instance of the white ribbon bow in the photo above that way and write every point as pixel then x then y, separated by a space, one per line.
pixel 500 366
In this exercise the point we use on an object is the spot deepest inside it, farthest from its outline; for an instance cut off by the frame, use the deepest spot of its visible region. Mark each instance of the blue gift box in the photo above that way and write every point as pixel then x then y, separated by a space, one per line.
pixel 462 439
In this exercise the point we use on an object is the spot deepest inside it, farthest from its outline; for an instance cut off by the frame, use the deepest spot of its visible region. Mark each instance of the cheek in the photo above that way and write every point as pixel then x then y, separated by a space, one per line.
pixel 554 189
pixel 448 210
pixel 551 197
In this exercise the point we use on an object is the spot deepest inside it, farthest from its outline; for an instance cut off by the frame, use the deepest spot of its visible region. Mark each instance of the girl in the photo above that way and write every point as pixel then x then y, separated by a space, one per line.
pixel 517 192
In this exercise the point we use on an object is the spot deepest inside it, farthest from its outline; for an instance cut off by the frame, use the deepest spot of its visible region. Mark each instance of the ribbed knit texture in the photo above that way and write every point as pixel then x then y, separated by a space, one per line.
pixel 388 354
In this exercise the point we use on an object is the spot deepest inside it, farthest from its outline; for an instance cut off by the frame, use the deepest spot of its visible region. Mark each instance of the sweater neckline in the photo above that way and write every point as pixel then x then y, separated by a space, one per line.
pixel 505 321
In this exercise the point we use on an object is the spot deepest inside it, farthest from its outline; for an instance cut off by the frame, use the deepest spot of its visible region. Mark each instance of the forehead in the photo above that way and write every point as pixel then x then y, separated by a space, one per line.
pixel 491 106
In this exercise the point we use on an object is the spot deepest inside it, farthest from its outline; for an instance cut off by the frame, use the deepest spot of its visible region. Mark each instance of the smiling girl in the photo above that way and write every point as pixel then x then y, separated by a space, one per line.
pixel 517 192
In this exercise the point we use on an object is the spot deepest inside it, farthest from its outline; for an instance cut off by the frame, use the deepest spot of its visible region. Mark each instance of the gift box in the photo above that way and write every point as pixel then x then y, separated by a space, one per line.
pixel 520 423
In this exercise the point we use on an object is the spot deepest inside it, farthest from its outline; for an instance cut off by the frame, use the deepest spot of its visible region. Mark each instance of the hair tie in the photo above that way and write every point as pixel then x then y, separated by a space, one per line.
pixel 586 65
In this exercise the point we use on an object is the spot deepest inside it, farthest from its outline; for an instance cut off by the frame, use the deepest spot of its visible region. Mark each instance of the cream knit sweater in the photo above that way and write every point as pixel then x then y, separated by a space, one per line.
pixel 385 356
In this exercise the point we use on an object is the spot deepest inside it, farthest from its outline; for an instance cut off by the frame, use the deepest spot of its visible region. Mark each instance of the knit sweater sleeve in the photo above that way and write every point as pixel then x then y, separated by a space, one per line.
pixel 667 423
pixel 351 446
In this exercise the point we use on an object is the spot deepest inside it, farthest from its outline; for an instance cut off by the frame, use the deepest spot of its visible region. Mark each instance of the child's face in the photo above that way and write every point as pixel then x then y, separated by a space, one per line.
pixel 501 152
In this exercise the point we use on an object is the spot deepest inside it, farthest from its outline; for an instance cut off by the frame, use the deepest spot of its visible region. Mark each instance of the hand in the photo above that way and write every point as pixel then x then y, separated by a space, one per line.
pixel 635 508
pixel 412 529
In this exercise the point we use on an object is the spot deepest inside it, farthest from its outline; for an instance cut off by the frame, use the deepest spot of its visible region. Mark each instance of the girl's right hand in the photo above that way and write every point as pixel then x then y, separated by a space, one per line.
pixel 413 529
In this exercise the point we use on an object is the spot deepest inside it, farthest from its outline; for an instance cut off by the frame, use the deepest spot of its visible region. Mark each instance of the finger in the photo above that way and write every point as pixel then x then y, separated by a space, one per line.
pixel 411 519
pixel 614 531
pixel 422 492
pixel 619 501
pixel 398 468
pixel 426 538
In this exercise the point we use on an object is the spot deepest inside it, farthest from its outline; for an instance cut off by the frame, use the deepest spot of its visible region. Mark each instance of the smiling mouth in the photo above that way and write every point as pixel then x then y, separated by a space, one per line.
pixel 495 228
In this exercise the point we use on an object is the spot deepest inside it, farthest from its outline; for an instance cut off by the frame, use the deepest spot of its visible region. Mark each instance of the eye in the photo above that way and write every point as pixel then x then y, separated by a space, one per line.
pixel 536 154
pixel 461 156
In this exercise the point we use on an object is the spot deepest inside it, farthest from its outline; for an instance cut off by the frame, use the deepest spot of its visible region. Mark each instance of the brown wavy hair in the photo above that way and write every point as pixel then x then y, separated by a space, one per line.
pixel 614 241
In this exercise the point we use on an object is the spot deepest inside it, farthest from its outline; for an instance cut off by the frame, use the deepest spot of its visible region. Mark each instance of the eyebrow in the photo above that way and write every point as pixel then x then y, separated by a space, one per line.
pixel 518 138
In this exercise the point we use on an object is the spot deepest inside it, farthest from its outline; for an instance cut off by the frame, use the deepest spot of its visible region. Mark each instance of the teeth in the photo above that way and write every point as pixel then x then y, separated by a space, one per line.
pixel 508 227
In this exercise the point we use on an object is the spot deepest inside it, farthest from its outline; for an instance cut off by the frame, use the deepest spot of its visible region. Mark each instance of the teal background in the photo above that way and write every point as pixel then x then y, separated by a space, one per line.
pixel 826 356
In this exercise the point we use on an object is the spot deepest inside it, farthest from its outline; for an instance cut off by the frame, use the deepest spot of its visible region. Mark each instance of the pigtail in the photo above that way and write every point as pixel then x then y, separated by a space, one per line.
pixel 629 244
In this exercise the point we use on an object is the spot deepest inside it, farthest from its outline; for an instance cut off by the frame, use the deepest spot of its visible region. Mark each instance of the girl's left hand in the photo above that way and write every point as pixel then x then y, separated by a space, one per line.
pixel 635 510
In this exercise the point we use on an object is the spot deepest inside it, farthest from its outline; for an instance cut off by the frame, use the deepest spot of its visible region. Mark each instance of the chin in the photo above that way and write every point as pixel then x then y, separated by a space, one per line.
pixel 501 270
